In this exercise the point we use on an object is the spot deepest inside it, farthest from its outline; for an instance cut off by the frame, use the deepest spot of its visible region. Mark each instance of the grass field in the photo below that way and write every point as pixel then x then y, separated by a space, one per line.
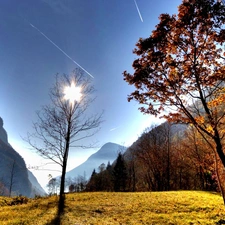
pixel 175 207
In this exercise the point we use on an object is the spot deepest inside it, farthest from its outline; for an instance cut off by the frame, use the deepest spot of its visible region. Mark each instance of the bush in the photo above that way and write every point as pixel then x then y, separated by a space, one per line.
pixel 19 200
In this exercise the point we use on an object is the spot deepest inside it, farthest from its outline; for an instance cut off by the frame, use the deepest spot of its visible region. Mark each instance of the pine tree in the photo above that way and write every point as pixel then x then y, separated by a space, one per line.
pixel 120 174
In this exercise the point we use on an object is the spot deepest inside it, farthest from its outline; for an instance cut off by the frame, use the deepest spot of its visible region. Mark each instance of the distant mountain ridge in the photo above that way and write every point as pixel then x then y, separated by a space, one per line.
pixel 107 153
pixel 36 187
pixel 13 172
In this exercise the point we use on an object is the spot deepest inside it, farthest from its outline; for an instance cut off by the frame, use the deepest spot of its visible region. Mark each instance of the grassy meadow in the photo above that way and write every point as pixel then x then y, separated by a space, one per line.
pixel 174 207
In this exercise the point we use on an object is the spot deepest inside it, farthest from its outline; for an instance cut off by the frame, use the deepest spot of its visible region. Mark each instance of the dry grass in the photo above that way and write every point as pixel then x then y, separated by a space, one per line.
pixel 178 207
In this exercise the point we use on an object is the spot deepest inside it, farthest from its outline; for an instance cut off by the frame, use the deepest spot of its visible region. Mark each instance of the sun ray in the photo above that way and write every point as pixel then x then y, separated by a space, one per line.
pixel 72 93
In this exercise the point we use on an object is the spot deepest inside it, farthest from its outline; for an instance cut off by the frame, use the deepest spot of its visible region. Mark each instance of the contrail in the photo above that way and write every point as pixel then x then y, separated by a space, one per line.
pixel 138 11
pixel 60 49
pixel 114 128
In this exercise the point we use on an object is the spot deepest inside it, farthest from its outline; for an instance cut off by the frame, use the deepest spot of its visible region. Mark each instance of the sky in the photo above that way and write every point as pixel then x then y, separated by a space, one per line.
pixel 40 38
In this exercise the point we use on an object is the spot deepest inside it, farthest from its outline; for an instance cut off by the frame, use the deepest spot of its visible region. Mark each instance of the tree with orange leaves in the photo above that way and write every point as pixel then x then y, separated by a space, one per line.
pixel 180 71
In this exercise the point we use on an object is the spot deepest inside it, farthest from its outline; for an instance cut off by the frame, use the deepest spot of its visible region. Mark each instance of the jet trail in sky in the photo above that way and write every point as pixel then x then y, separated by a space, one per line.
pixel 138 11
pixel 61 50
pixel 113 129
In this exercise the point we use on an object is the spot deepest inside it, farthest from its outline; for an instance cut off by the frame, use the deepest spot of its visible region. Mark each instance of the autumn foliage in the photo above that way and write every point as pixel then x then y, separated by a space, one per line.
pixel 180 71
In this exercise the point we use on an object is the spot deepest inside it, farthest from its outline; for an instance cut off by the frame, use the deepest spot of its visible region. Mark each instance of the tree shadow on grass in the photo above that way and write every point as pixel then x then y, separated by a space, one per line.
pixel 54 221
pixel 61 205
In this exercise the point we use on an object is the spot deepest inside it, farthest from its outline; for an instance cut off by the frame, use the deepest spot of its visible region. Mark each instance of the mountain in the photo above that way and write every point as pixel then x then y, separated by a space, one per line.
pixel 14 176
pixel 107 153
pixel 3 134
pixel 173 129
pixel 36 187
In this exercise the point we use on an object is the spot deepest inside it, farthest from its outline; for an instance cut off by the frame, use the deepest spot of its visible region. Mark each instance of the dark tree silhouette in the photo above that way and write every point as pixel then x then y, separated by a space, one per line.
pixel 120 174
pixel 12 171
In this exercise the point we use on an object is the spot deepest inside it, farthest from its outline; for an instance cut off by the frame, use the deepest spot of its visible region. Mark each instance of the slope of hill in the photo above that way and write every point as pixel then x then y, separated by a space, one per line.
pixel 14 176
pixel 175 129
pixel 36 187
pixel 107 153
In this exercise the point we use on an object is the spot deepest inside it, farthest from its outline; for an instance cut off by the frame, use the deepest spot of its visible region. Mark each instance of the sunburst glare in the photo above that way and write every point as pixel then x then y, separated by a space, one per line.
pixel 72 93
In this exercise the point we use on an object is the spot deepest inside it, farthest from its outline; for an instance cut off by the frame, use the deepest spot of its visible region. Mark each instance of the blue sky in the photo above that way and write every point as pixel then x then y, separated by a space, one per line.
pixel 99 35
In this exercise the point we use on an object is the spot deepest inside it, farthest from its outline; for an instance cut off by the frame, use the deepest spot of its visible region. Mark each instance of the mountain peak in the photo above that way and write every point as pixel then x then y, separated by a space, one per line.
pixel 108 150
pixel 3 133
pixel 107 153
pixel 110 145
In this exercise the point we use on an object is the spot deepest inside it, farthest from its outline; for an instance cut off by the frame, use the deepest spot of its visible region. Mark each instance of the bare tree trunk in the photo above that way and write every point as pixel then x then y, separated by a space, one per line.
pixel 219 162
pixel 60 122
pixel 220 176
pixel 61 203
pixel 11 178
pixel 168 159
pixel 219 147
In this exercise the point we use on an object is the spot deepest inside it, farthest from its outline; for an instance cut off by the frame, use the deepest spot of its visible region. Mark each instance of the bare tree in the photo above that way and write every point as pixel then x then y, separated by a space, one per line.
pixel 64 123
pixel 52 185
pixel 12 176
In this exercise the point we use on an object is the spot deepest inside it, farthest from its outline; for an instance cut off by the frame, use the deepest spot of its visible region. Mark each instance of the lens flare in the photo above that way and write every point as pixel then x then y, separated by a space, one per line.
pixel 72 93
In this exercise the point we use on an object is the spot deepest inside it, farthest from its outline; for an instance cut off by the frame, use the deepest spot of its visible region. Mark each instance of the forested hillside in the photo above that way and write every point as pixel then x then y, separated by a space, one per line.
pixel 107 153
pixel 165 157
pixel 178 75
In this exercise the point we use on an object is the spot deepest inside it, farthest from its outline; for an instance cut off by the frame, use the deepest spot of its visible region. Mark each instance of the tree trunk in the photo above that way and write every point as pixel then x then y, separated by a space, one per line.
pixel 133 179
pixel 61 203
pixel 219 148
pixel 11 178
pixel 220 176
pixel 168 166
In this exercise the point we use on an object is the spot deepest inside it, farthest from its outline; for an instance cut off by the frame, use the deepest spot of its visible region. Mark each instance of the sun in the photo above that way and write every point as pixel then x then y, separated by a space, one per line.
pixel 72 93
